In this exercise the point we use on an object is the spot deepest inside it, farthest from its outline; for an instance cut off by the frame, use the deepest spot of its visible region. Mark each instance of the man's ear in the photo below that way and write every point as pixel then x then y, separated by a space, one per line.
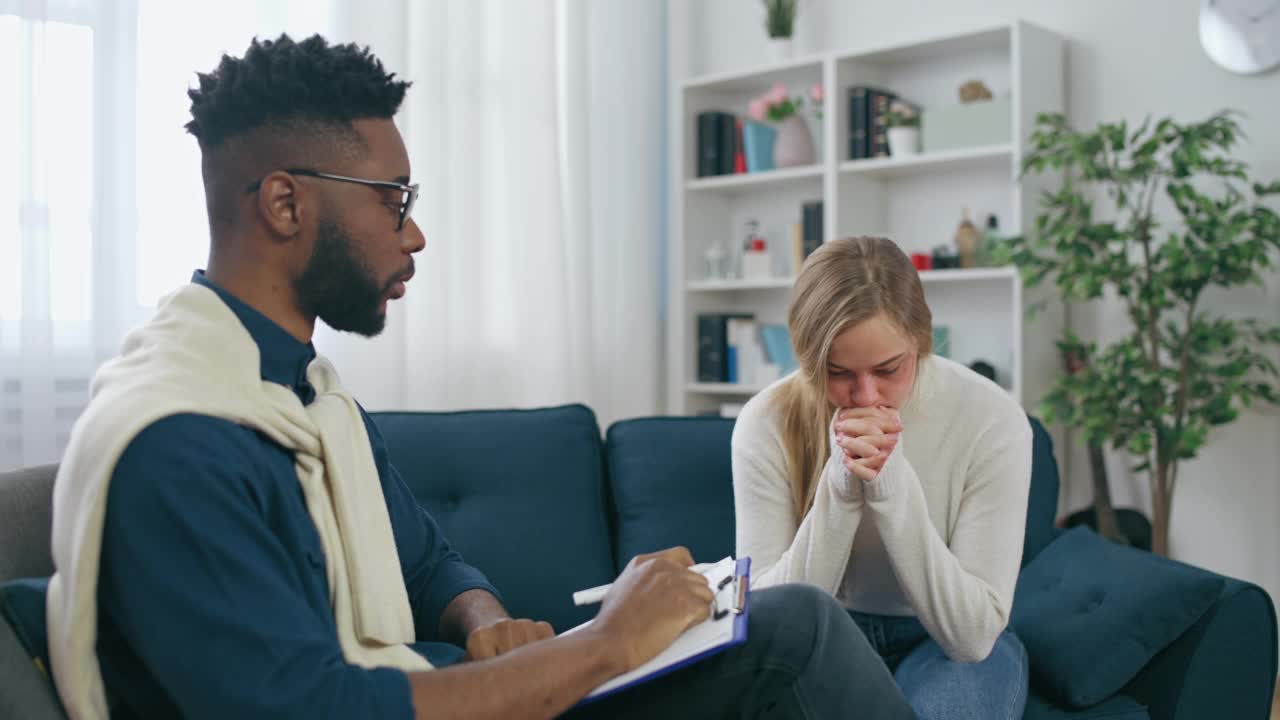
pixel 279 205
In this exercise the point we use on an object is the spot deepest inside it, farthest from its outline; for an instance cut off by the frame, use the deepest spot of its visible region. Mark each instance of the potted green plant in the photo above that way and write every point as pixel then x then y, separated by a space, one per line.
pixel 1179 369
pixel 779 23
pixel 902 123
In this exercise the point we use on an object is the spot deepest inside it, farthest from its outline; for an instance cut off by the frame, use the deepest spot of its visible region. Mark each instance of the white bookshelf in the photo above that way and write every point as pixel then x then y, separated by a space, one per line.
pixel 993 156
pixel 776 283
pixel 723 389
pixel 915 200
pixel 768 179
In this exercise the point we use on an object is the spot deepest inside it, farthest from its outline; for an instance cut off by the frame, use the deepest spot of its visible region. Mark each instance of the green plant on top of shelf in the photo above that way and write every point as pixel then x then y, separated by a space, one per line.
pixel 780 17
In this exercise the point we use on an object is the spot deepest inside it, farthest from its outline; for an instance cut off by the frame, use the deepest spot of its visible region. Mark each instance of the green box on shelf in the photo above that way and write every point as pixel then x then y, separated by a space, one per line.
pixel 967 125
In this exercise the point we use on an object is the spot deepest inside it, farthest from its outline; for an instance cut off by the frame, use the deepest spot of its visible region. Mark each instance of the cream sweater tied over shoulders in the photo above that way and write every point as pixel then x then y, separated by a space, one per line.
pixel 938 534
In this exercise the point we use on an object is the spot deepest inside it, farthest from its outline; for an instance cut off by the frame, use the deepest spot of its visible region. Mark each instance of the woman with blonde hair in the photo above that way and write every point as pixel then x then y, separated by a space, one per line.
pixel 895 480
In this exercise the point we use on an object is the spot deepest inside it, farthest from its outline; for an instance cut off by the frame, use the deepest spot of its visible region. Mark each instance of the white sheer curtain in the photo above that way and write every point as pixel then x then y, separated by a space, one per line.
pixel 537 131
pixel 101 207
pixel 56 314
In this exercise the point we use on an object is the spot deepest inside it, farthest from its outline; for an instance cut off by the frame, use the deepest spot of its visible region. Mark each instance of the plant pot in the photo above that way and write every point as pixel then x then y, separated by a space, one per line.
pixel 904 141
pixel 779 49
pixel 794 145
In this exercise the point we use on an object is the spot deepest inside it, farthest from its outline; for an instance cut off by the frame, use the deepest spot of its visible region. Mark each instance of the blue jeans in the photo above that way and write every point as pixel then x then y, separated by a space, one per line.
pixel 938 687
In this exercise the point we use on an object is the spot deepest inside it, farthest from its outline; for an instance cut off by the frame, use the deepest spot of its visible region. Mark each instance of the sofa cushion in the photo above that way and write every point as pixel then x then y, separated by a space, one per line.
pixel 1092 613
pixel 1116 707
pixel 518 493
pixel 671 483
pixel 1042 505
pixel 22 604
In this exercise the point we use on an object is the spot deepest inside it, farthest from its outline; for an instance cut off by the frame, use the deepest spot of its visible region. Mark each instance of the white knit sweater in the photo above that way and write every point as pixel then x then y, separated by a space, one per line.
pixel 194 356
pixel 938 534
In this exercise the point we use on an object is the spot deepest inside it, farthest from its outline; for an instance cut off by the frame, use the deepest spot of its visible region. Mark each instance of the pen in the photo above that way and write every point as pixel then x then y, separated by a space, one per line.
pixel 591 596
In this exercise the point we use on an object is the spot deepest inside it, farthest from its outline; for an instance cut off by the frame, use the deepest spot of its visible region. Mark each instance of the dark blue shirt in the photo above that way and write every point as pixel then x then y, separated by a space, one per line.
pixel 213 600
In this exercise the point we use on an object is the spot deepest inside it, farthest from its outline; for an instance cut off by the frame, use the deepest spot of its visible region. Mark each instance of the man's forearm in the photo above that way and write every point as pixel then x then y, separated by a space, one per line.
pixel 537 681
pixel 468 611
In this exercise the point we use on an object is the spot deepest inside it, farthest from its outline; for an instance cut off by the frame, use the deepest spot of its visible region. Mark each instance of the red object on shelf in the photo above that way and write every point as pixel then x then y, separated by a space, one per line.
pixel 739 159
pixel 922 261
pixel 757 244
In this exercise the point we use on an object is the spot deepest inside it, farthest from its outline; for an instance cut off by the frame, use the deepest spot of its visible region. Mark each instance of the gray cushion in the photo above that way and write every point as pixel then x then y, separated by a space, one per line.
pixel 26 520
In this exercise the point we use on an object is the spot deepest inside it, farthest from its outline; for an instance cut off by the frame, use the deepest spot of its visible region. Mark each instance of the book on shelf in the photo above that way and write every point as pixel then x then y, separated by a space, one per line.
pixel 797 247
pixel 778 349
pixel 739 157
pixel 877 127
pixel 713 346
pixel 745 355
pixel 811 227
pixel 717 143
pixel 728 142
pixel 730 350
pixel 857 123
pixel 735 339
pixel 868 136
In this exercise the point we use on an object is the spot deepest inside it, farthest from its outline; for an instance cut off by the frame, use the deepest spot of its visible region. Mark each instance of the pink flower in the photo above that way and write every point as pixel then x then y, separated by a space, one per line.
pixel 816 94
pixel 777 94
pixel 757 109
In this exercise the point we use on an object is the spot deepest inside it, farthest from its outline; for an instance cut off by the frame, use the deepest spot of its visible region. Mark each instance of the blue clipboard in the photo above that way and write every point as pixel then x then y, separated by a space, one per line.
pixel 737 594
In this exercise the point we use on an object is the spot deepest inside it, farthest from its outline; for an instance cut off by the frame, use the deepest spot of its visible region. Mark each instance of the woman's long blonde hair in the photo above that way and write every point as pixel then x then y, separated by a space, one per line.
pixel 843 283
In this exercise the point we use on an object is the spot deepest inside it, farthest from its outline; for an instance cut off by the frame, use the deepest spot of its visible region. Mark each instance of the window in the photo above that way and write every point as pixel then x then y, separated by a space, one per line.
pixel 101 202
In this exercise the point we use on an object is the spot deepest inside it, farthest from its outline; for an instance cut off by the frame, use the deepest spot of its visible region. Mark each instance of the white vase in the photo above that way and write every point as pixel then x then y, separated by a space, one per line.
pixel 904 141
pixel 794 144
pixel 779 49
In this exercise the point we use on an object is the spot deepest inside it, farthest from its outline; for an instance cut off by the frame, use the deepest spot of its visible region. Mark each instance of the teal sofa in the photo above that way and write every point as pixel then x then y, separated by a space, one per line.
pixel 544 505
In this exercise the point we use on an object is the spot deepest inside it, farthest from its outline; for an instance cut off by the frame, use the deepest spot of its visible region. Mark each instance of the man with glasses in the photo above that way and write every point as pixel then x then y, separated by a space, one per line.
pixel 230 537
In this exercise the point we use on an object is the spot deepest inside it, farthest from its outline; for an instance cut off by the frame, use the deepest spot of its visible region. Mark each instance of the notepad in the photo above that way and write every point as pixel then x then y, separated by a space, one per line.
pixel 724 628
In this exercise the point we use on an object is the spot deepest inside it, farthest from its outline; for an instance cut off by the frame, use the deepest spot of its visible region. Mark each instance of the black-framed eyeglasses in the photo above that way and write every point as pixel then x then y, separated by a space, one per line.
pixel 408 193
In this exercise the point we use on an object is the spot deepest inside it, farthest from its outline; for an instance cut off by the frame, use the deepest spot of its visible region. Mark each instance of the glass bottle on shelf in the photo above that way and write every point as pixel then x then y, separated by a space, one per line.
pixel 714 259
pixel 990 251
pixel 967 241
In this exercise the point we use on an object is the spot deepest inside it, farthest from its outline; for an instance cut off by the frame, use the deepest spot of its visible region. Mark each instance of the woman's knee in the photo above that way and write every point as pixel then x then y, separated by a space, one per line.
pixel 938 687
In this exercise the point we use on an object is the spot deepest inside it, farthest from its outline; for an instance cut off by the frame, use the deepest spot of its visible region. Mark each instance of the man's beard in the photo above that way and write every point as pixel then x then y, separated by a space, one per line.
pixel 339 288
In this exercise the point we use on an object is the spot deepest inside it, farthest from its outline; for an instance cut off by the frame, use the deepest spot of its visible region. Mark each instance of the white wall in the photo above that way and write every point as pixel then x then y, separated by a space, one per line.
pixel 1124 60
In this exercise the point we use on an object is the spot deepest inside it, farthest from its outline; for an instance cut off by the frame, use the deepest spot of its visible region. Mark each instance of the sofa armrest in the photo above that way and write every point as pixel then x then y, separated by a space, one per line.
pixel 1224 666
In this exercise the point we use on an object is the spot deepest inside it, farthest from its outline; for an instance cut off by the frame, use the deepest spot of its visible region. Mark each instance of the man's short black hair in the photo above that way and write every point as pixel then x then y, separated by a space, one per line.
pixel 280 83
